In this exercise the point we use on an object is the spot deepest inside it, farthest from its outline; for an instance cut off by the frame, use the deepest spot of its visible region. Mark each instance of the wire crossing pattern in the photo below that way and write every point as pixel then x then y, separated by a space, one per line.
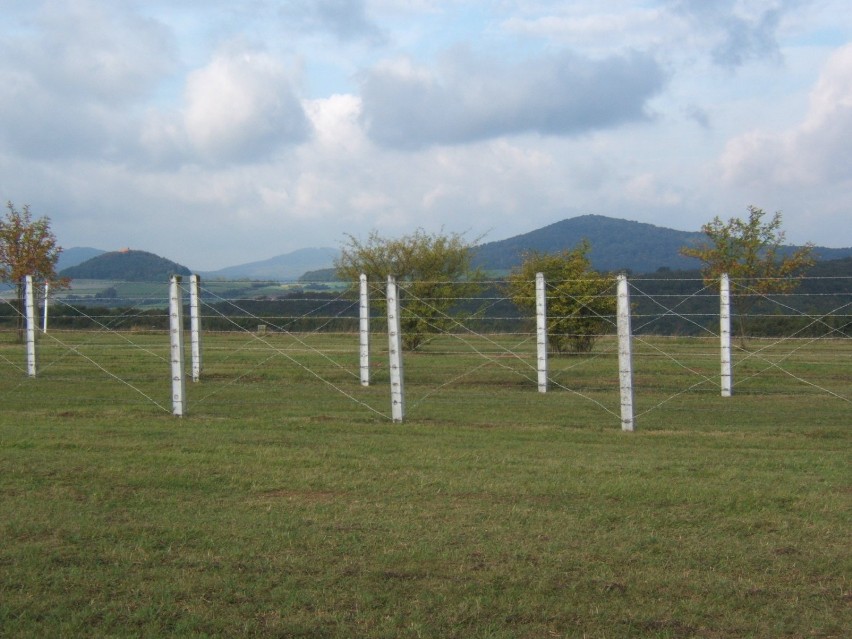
pixel 296 352
pixel 265 338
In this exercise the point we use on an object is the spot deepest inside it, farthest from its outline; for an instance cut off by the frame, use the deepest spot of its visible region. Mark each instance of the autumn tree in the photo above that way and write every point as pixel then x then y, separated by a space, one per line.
pixel 580 302
pixel 27 247
pixel 434 272
pixel 753 254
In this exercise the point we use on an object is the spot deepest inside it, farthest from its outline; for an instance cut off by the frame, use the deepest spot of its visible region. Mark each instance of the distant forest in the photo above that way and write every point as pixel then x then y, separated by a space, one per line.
pixel 128 266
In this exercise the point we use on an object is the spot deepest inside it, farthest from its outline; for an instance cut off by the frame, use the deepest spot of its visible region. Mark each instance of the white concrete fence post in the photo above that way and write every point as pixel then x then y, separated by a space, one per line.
pixel 29 303
pixel 395 352
pixel 177 355
pixel 625 355
pixel 541 331
pixel 725 333
pixel 195 325
pixel 364 330
pixel 46 303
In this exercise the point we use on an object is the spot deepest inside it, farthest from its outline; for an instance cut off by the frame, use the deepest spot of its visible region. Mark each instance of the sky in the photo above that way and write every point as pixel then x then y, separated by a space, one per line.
pixel 223 132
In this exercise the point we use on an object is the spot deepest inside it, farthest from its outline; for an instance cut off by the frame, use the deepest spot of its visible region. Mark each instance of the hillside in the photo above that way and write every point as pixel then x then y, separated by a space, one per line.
pixel 289 266
pixel 616 245
pixel 128 266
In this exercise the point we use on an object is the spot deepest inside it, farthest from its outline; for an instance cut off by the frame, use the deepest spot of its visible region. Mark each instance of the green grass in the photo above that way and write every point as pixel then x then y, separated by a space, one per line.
pixel 280 507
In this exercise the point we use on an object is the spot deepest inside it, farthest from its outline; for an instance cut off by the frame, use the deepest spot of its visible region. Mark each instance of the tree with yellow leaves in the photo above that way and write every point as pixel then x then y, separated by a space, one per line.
pixel 753 254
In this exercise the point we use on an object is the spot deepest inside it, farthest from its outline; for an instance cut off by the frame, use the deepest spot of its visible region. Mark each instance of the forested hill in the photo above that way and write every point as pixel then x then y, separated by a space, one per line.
pixel 616 245
pixel 128 266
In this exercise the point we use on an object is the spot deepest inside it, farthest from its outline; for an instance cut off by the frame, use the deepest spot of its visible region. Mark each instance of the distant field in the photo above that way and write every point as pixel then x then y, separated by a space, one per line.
pixel 287 505
pixel 130 293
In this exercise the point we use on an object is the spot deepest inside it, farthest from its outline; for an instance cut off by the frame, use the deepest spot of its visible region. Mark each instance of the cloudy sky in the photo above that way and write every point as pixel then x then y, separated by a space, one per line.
pixel 228 131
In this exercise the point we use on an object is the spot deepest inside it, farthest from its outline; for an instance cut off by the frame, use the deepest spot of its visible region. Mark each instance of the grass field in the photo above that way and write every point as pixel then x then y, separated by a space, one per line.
pixel 285 504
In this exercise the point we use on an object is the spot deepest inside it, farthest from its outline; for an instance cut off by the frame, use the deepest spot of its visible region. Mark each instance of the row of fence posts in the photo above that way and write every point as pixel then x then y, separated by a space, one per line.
pixel 397 381
pixel 176 338
pixel 625 358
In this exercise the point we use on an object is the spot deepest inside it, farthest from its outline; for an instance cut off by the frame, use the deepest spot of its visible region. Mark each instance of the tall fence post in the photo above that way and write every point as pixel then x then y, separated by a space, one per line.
pixel 364 330
pixel 541 331
pixel 395 352
pixel 29 303
pixel 625 355
pixel 195 326
pixel 725 333
pixel 46 302
pixel 176 333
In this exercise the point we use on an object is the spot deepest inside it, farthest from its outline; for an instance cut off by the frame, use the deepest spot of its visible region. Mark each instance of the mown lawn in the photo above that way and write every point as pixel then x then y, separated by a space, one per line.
pixel 280 507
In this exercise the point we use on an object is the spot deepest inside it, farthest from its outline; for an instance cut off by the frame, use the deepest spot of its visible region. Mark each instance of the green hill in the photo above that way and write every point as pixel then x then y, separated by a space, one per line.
pixel 128 266
pixel 616 245
pixel 282 267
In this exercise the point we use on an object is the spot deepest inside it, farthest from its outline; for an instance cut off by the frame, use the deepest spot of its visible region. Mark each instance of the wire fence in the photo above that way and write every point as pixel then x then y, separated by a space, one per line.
pixel 272 350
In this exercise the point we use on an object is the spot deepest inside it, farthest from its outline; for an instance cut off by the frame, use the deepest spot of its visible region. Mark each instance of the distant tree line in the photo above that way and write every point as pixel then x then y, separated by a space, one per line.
pixel 776 292
pixel 694 304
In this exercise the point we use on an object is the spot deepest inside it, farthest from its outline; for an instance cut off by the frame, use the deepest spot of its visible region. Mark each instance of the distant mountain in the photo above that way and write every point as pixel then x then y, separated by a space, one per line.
pixel 616 245
pixel 76 255
pixel 289 266
pixel 823 253
pixel 128 266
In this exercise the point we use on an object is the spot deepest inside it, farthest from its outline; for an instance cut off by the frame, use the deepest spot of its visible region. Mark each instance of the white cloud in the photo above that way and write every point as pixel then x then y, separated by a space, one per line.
pixel 471 98
pixel 221 132
pixel 86 49
pixel 598 28
pixel 644 189
pixel 335 123
pixel 737 31
pixel 816 152
pixel 70 75
pixel 345 19
pixel 241 107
